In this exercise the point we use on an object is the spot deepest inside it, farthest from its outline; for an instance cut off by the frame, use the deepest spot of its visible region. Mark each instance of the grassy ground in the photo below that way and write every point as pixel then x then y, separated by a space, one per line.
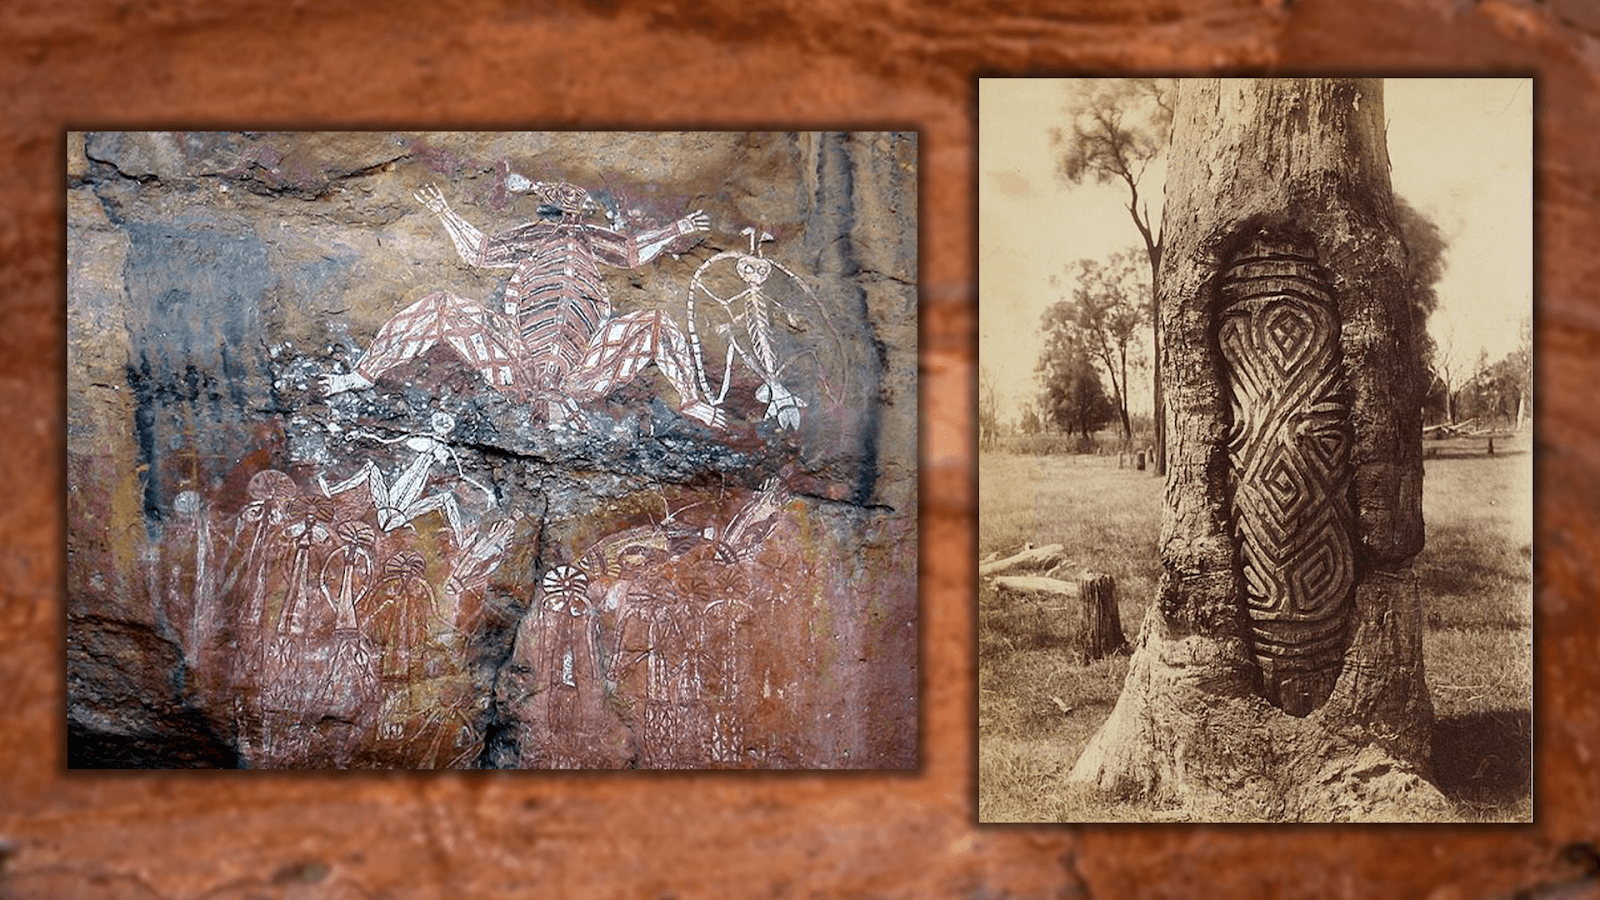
pixel 1476 576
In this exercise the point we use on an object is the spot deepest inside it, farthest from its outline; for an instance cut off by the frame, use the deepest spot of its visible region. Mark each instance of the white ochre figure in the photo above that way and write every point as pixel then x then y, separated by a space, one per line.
pixel 753 269
pixel 399 501
pixel 555 340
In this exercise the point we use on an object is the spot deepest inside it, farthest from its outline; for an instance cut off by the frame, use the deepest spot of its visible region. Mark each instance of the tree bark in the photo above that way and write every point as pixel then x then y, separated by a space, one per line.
pixel 1158 401
pixel 1279 674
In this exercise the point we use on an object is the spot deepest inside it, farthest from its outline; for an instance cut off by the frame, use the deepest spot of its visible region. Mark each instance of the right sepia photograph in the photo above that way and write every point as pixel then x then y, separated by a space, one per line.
pixel 1255 461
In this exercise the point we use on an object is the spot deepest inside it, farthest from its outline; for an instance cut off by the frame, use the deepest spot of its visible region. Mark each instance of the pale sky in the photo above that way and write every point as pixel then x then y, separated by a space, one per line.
pixel 1461 152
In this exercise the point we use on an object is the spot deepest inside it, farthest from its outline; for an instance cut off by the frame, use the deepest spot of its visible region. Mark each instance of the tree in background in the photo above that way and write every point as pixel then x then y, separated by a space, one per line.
pixel 1496 394
pixel 1116 128
pixel 988 415
pixel 1425 265
pixel 1107 312
pixel 1446 372
pixel 1072 396
pixel 1522 362
pixel 1030 419
pixel 1484 395
pixel 1441 362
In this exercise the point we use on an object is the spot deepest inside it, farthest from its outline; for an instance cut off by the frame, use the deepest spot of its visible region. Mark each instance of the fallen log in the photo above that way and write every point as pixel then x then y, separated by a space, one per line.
pixel 1038 586
pixel 1031 559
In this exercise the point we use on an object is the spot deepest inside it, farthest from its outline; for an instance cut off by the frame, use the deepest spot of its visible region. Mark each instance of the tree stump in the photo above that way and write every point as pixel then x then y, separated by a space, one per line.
pixel 1048 603
pixel 1100 634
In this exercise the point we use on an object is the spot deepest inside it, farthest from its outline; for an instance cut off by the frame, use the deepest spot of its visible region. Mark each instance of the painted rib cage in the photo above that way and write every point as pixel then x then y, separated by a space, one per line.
pixel 556 294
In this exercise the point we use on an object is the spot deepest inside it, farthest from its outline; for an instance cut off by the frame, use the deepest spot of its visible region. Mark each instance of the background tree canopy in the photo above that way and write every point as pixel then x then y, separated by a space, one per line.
pixel 1098 326
pixel 1073 396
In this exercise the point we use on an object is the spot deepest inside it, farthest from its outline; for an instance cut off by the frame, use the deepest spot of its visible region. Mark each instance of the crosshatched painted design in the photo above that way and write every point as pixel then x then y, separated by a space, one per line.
pixel 492 451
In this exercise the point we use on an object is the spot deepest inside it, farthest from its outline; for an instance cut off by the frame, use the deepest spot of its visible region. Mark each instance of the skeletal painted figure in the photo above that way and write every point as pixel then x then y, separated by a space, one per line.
pixel 402 611
pixel 311 523
pixel 565 591
pixel 750 527
pixel 555 339
pixel 270 492
pixel 571 702
pixel 346 569
pixel 400 501
pixel 753 269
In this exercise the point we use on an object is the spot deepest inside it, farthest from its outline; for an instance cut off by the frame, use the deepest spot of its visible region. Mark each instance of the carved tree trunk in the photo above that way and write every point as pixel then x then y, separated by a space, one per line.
pixel 1279 676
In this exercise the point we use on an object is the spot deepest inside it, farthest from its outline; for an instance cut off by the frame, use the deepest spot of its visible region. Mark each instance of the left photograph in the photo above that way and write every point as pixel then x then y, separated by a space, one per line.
pixel 491 450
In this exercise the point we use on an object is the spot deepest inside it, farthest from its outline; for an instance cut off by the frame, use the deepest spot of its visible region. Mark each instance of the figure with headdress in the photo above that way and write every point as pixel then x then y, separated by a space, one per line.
pixel 556 339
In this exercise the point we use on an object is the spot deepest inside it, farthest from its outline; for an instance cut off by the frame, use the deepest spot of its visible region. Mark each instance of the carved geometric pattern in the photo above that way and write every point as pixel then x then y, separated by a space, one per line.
pixel 1290 453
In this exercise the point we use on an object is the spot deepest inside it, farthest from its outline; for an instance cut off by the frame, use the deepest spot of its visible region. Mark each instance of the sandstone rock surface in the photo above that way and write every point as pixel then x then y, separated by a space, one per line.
pixel 687 546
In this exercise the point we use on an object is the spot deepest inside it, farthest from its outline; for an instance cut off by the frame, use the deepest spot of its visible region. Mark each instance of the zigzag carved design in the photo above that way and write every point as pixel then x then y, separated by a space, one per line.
pixel 1290 453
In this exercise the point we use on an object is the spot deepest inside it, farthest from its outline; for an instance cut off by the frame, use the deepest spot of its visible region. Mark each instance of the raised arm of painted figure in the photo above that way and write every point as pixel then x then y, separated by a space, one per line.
pixel 627 252
pixel 469 241
pixel 464 476
pixel 433 445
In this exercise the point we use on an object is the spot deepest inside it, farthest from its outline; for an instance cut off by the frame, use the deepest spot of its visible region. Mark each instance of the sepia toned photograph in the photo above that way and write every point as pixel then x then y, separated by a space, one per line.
pixel 1255 450
pixel 491 450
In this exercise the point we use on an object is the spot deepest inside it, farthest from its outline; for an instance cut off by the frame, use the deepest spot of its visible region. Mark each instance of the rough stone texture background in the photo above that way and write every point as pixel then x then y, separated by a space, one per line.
pixel 481 64
pixel 221 604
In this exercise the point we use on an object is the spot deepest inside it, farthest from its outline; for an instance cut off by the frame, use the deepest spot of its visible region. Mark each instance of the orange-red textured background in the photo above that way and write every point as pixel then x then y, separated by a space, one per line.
pixel 725 63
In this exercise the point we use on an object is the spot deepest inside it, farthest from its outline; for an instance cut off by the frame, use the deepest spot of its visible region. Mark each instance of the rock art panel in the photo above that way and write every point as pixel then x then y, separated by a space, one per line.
pixel 606 469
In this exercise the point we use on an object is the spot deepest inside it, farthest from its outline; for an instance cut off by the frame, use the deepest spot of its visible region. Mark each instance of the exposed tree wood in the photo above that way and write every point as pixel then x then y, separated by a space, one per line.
pixel 1101 623
pixel 1297 167
pixel 1033 559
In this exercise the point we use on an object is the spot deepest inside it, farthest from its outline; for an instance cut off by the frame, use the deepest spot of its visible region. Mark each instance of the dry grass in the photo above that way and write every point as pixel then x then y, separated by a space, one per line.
pixel 1477 579
pixel 1476 576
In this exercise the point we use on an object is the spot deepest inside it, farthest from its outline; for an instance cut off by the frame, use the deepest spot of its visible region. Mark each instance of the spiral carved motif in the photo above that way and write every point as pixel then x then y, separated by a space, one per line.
pixel 1290 453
